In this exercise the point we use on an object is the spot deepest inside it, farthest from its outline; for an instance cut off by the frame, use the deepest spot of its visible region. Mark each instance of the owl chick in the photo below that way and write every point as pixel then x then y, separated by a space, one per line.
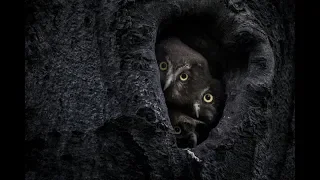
pixel 203 103
pixel 185 129
pixel 178 63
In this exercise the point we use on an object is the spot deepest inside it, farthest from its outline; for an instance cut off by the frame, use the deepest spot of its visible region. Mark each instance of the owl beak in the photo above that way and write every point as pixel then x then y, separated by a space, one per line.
pixel 168 82
pixel 196 107
pixel 198 122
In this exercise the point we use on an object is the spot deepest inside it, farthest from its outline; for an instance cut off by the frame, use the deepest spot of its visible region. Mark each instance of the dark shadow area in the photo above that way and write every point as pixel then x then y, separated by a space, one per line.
pixel 202 34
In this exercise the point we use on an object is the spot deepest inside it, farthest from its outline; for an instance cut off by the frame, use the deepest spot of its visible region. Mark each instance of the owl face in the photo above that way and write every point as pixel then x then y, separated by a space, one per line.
pixel 175 61
pixel 201 103
pixel 185 128
pixel 206 102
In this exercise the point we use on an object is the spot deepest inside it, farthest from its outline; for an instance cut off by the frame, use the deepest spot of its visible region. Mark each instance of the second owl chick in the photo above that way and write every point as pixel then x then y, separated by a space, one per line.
pixel 203 104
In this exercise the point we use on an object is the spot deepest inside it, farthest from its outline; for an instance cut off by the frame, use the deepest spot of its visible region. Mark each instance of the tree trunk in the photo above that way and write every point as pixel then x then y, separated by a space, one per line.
pixel 94 107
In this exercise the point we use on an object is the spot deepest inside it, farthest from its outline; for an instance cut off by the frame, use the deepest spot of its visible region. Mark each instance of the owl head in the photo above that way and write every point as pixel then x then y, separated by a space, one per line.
pixel 178 62
pixel 202 102
pixel 185 128
pixel 207 101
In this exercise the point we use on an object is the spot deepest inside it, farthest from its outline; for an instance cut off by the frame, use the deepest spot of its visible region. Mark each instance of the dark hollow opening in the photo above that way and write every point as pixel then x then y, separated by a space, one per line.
pixel 202 34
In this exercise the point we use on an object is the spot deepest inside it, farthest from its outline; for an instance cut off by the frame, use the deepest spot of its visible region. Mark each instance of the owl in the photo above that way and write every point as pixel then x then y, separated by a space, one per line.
pixel 204 104
pixel 177 62
pixel 187 82
pixel 186 129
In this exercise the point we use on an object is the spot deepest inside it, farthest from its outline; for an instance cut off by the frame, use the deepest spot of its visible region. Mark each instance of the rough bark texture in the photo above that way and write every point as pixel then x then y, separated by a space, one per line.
pixel 94 108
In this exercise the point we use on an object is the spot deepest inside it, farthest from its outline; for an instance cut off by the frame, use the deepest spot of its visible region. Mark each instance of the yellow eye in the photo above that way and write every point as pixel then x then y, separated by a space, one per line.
pixel 177 129
pixel 183 77
pixel 208 98
pixel 163 66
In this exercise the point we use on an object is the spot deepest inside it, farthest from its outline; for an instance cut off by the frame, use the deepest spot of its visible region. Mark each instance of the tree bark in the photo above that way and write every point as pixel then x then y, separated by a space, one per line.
pixel 94 108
